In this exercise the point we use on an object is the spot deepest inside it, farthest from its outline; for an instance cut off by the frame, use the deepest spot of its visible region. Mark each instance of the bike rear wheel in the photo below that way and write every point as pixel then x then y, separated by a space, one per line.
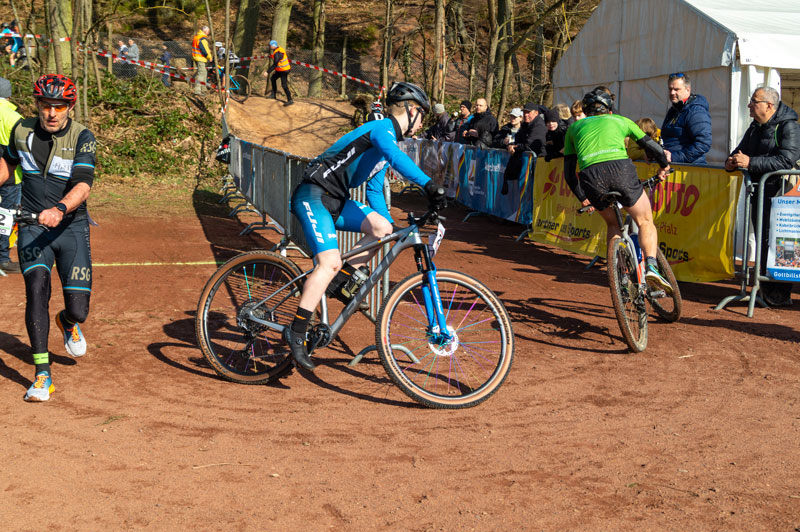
pixel 668 308
pixel 627 294
pixel 240 88
pixel 460 373
pixel 239 349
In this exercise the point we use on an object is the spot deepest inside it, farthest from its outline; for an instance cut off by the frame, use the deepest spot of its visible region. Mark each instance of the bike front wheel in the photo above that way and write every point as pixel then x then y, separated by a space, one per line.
pixel 668 308
pixel 627 294
pixel 240 88
pixel 460 372
pixel 238 348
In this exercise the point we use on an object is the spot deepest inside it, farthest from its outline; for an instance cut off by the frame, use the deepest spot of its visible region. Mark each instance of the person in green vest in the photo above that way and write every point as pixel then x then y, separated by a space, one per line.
pixel 57 157
pixel 9 192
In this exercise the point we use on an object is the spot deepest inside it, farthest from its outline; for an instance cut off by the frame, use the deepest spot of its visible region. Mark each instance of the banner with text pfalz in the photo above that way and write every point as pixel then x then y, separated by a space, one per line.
pixel 693 210
pixel 555 214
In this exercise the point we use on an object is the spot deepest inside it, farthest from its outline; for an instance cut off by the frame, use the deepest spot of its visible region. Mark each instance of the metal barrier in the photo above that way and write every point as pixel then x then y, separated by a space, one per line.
pixel 744 272
pixel 265 178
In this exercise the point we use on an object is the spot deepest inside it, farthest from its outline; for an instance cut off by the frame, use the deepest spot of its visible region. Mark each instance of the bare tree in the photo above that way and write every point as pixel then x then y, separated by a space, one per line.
pixel 245 27
pixel 280 20
pixel 318 49
pixel 520 39
pixel 439 51
pixel 386 51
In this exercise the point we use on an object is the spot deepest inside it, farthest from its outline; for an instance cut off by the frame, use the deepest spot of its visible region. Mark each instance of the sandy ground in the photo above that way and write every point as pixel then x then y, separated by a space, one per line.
pixel 699 432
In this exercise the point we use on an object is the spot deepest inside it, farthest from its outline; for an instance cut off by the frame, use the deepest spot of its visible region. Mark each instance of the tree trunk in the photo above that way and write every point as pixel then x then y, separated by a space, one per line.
pixel 54 61
pixel 343 86
pixel 460 29
pixel 77 77
pixel 494 33
pixel 280 20
pixel 439 51
pixel 62 27
pixel 505 14
pixel 538 61
pixel 318 49
pixel 513 49
pixel 244 32
pixel 386 52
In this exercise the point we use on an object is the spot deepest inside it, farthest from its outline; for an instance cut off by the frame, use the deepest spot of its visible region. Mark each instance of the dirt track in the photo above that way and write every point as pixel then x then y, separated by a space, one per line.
pixel 699 432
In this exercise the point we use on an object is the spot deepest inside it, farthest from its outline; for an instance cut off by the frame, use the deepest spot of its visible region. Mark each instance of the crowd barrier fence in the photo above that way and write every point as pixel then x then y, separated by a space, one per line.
pixel 784 226
pixel 265 178
pixel 474 177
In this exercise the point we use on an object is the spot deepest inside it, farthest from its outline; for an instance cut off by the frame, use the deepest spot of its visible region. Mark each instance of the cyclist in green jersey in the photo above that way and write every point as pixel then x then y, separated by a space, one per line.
pixel 595 146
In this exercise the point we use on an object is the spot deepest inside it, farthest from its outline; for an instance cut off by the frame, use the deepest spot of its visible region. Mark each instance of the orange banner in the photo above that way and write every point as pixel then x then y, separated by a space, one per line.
pixel 693 209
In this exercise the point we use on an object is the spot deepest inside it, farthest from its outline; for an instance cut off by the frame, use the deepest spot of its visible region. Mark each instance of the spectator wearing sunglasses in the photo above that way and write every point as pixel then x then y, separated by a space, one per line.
pixel 686 131
pixel 772 142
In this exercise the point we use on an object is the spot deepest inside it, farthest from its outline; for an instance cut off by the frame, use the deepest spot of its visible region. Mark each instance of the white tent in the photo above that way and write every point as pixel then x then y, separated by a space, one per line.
pixel 727 47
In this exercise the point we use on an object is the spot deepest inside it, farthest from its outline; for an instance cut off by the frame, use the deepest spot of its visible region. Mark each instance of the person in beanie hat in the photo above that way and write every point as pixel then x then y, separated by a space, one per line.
pixel 462 121
pixel 554 138
pixel 440 129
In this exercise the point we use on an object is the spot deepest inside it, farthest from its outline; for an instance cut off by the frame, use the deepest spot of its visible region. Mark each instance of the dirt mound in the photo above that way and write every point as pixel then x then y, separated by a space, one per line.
pixel 306 128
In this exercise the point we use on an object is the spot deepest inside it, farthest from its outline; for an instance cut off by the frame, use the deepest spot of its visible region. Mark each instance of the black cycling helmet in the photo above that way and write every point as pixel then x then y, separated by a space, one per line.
pixel 403 91
pixel 597 102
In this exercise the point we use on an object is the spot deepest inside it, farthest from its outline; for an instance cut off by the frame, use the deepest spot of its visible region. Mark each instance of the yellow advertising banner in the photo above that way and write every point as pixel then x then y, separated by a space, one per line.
pixel 693 209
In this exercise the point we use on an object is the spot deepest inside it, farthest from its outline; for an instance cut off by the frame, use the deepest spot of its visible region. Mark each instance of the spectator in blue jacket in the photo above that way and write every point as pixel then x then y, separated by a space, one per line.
pixel 686 132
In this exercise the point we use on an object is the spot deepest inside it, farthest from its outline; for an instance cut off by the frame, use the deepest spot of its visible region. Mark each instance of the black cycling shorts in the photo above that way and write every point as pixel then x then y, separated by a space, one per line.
pixel 68 247
pixel 599 179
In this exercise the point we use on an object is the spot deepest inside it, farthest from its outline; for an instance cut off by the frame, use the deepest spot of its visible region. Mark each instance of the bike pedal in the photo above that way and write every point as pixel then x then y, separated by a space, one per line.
pixel 656 294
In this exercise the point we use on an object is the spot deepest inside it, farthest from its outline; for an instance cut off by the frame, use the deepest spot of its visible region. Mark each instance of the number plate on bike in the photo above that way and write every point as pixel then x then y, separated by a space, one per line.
pixel 6 222
pixel 435 240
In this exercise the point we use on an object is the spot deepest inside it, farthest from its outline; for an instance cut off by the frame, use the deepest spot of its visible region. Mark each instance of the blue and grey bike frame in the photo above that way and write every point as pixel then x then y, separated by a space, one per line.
pixel 405 238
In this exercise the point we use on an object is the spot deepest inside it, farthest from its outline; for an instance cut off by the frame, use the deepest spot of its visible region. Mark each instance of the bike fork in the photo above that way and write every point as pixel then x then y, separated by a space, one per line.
pixel 434 312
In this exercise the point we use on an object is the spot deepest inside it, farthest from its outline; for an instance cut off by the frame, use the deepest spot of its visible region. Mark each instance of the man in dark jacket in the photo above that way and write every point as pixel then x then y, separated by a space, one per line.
pixel 506 134
pixel 529 138
pixel 483 126
pixel 686 131
pixel 772 142
pixel 440 129
pixel 461 123
pixel 532 135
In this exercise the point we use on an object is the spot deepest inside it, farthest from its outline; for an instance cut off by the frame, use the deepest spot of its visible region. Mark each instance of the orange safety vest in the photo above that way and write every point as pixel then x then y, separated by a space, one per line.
pixel 198 54
pixel 283 65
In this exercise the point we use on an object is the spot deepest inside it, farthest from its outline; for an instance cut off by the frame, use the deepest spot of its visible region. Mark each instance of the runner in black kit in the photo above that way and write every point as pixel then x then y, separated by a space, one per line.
pixel 57 156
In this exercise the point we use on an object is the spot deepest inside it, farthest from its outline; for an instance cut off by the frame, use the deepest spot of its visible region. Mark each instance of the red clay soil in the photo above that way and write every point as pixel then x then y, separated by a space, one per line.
pixel 699 432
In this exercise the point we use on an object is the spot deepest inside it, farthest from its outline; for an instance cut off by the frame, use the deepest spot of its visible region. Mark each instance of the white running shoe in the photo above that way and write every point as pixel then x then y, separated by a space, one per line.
pixel 41 388
pixel 74 342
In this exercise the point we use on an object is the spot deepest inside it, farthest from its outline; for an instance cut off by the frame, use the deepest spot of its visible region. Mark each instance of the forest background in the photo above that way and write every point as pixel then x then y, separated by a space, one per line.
pixel 504 50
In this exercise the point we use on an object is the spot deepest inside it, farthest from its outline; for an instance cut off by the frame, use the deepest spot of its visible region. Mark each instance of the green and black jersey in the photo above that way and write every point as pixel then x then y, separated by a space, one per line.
pixel 600 138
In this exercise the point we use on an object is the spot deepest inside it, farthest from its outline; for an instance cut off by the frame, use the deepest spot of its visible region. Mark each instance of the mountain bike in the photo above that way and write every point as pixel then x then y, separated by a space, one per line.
pixel 629 291
pixel 239 85
pixel 443 337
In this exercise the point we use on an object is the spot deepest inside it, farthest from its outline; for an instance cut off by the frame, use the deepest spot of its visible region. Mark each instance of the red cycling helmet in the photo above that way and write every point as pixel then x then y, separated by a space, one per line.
pixel 55 87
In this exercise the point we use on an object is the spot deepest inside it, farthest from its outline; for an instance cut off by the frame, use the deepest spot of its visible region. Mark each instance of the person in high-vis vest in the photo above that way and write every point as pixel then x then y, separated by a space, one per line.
pixel 57 156
pixel 281 66
pixel 201 55
pixel 9 192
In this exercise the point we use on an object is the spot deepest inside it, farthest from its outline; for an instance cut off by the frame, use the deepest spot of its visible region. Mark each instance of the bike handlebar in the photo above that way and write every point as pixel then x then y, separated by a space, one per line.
pixel 24 217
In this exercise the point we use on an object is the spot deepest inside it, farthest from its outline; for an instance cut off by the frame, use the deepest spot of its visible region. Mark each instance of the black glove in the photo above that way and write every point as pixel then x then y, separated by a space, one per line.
pixel 435 195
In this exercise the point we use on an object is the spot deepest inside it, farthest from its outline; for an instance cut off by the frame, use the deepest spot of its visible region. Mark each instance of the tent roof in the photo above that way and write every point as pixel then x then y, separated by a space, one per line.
pixel 638 39
pixel 766 30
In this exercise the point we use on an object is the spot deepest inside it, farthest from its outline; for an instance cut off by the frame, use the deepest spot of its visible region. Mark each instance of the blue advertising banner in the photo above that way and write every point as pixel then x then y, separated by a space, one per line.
pixel 474 177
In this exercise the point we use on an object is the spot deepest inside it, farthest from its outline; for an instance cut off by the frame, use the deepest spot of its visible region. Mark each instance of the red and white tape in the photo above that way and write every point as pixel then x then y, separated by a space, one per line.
pixel 322 69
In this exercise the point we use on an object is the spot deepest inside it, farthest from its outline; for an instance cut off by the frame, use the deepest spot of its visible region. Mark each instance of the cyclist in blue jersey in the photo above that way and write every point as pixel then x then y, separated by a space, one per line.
pixel 322 204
